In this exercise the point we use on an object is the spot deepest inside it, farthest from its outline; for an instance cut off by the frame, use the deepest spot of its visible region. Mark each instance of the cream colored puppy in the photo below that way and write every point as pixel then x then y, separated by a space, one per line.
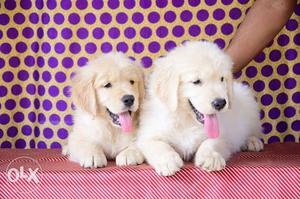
pixel 195 111
pixel 107 94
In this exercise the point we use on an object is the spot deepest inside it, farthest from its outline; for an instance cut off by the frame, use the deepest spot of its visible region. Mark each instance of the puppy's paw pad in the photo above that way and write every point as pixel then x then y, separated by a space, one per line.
pixel 129 157
pixel 93 161
pixel 212 161
pixel 168 164
pixel 253 144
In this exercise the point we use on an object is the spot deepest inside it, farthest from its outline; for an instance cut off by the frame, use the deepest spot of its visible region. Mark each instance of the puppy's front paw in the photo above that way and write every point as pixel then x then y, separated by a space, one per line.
pixel 253 144
pixel 168 164
pixel 210 161
pixel 129 157
pixel 94 160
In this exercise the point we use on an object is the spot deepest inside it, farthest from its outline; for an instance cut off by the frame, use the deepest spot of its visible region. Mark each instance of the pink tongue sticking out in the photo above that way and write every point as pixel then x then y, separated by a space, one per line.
pixel 126 122
pixel 211 125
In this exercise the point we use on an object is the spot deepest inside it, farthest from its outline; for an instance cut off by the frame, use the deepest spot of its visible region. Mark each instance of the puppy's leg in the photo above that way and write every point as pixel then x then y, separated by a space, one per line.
pixel 87 154
pixel 165 160
pixel 253 143
pixel 212 155
pixel 130 156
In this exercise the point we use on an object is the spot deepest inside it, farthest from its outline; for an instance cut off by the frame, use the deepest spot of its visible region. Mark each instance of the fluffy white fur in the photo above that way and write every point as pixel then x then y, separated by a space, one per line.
pixel 95 138
pixel 169 132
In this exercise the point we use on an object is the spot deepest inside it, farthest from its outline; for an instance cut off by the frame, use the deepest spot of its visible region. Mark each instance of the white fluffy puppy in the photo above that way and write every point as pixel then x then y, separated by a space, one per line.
pixel 193 110
pixel 107 94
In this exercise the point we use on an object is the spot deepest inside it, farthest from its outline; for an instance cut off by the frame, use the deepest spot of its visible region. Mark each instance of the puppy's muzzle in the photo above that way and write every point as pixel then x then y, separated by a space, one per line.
pixel 218 104
pixel 128 100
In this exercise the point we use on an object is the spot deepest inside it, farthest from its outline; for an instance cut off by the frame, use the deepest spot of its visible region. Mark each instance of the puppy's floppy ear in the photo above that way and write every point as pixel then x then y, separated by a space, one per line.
pixel 229 85
pixel 141 81
pixel 83 91
pixel 165 83
pixel 141 86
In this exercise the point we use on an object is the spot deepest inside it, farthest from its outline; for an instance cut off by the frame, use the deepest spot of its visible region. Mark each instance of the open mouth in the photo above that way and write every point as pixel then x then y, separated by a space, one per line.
pixel 124 120
pixel 199 116
pixel 210 122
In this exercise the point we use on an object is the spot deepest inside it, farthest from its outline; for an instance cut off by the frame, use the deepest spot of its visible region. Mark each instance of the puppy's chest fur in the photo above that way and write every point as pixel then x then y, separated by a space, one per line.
pixel 114 141
pixel 117 143
pixel 186 141
pixel 100 132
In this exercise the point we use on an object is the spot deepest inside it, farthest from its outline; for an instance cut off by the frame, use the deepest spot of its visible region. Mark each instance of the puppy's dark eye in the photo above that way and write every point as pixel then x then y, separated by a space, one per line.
pixel 197 82
pixel 131 82
pixel 222 79
pixel 108 85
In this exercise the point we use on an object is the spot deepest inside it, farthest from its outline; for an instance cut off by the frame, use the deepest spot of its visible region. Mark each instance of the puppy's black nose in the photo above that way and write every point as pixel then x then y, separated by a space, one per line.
pixel 128 100
pixel 219 103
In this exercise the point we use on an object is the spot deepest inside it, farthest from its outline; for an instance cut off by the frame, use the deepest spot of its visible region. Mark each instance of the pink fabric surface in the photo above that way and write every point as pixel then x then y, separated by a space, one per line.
pixel 272 173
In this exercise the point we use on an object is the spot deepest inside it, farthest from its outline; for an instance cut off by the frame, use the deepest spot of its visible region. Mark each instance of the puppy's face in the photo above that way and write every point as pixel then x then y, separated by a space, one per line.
pixel 118 92
pixel 112 87
pixel 195 77
pixel 204 92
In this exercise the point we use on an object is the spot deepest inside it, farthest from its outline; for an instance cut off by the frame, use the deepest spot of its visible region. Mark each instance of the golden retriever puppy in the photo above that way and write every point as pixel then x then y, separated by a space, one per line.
pixel 193 110
pixel 107 94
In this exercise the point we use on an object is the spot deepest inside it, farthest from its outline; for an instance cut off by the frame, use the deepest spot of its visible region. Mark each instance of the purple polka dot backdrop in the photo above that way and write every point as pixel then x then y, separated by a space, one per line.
pixel 43 41
pixel 274 77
